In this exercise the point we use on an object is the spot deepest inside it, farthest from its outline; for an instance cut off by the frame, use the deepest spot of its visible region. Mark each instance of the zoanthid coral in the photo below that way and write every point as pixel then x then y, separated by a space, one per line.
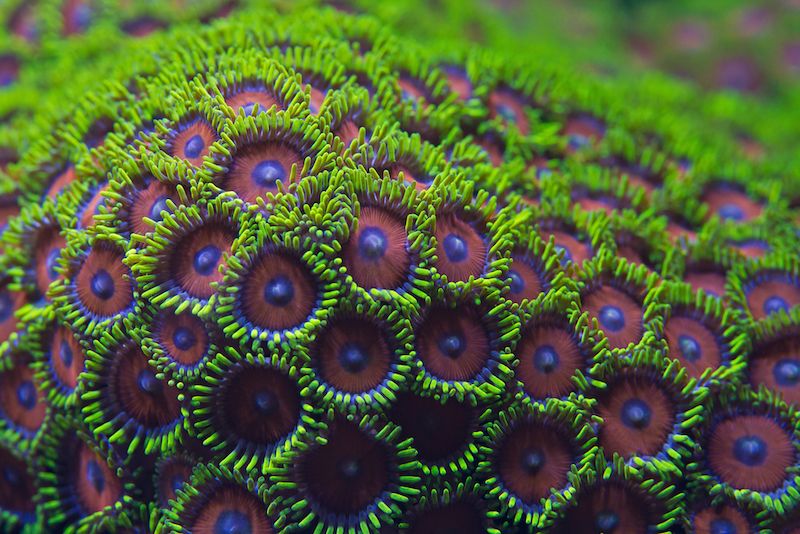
pixel 288 271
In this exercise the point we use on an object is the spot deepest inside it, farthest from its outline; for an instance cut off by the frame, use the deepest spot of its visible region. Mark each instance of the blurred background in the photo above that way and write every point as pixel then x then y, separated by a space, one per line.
pixel 740 54
pixel 746 46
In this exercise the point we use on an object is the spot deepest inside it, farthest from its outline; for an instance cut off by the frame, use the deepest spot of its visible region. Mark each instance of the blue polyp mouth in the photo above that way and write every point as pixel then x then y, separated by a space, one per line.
pixel 452 344
pixel 206 260
pixel 455 248
pixel 65 353
pixel 267 173
pixel 372 243
pixel 612 318
pixel 184 338
pixel 102 285
pixel 606 521
pixel 787 372
pixel 775 304
pixel 233 522
pixel 353 357
pixel 532 461
pixel 94 474
pixel 279 291
pixel 722 526
pixel 6 306
pixel 546 359
pixel 26 395
pixel 750 450
pixel 159 205
pixel 194 146
pixel 517 284
pixel 731 212
pixel 52 262
pixel 265 402
pixel 689 347
pixel 506 112
pixel 636 413
pixel 148 383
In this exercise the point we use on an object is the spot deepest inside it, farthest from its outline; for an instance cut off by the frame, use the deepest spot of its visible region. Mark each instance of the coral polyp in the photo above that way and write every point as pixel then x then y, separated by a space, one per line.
pixel 284 269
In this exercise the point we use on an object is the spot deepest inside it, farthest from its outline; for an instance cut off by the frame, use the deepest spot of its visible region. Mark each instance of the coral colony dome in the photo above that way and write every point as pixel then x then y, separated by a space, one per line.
pixel 284 270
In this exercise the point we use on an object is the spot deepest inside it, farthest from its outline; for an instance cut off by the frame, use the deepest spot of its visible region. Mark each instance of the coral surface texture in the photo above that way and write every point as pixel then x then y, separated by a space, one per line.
pixel 286 269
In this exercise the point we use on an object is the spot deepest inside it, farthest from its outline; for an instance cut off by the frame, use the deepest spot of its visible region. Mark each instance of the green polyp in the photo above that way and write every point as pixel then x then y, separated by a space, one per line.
pixel 56 508
pixel 403 485
pixel 372 70
pixel 496 424
pixel 204 481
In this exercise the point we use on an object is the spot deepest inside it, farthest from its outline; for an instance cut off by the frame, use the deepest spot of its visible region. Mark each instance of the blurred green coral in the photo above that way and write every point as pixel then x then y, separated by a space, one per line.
pixel 287 269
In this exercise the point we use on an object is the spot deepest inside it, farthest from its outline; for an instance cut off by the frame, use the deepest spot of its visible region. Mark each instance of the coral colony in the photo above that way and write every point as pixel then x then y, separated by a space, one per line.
pixel 290 272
